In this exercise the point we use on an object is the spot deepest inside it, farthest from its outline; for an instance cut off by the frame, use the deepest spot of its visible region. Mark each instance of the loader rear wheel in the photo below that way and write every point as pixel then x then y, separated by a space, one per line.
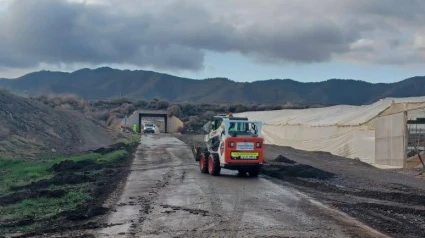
pixel 214 165
pixel 203 163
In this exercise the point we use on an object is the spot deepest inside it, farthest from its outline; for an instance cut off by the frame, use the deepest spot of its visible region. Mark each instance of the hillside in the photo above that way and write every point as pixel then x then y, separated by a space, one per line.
pixel 106 82
pixel 29 128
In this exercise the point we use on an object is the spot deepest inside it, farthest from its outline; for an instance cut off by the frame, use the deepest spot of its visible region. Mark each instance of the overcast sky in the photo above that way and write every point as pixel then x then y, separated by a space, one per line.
pixel 244 40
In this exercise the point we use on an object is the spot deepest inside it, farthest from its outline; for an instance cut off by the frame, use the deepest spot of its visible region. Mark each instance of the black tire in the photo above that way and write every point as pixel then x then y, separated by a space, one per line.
pixel 203 163
pixel 214 165
pixel 254 172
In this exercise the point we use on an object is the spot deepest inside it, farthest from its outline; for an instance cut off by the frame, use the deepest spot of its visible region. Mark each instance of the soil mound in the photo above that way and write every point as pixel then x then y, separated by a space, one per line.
pixel 69 165
pixel 22 195
pixel 30 128
pixel 305 171
pixel 111 148
pixel 61 179
pixel 296 171
pixel 283 159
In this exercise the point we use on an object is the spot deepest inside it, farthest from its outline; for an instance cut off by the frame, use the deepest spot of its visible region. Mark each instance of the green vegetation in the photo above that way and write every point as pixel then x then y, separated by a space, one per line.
pixel 132 140
pixel 42 207
pixel 16 173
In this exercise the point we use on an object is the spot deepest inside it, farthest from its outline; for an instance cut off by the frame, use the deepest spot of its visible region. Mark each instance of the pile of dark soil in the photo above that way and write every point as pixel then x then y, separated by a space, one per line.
pixel 296 171
pixel 283 159
pixel 111 148
pixel 69 165
pixel 22 195
pixel 30 128
pixel 61 178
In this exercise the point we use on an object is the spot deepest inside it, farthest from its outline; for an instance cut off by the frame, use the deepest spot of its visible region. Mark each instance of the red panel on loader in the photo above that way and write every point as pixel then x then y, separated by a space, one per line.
pixel 244 150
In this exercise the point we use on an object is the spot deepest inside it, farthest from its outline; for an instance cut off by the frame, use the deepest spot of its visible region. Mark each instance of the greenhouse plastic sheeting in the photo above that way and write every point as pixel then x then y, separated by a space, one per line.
pixel 343 130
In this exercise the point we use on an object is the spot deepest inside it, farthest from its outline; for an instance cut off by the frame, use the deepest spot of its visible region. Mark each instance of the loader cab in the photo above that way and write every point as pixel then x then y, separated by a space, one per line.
pixel 216 122
pixel 242 128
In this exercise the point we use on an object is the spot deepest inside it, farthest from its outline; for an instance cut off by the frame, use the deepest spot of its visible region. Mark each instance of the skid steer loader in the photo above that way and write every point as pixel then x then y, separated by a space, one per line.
pixel 233 143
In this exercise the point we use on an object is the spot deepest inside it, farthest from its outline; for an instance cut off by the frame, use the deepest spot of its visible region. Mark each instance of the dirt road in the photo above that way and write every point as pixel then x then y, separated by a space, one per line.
pixel 167 196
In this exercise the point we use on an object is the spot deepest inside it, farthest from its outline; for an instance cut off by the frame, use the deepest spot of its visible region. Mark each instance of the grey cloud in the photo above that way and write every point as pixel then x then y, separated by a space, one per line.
pixel 175 34
pixel 52 31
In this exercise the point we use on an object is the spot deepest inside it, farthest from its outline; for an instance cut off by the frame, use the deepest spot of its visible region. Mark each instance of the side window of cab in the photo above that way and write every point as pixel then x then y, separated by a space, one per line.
pixel 217 123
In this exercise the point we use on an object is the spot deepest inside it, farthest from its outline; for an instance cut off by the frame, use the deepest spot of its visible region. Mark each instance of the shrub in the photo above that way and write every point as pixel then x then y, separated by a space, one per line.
pixel 208 115
pixel 140 104
pixel 162 105
pixel 174 110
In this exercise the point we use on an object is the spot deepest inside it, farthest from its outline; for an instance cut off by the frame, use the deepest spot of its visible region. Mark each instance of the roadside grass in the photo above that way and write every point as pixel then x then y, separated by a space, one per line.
pixel 17 173
pixel 42 207
pixel 131 139
pixel 19 176
pixel 112 157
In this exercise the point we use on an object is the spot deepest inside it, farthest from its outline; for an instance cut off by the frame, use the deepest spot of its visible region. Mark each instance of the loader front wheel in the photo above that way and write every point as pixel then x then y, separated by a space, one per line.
pixel 214 165
pixel 203 163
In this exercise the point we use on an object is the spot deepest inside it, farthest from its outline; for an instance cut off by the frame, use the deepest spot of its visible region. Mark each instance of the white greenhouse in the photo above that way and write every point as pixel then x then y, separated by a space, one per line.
pixel 377 134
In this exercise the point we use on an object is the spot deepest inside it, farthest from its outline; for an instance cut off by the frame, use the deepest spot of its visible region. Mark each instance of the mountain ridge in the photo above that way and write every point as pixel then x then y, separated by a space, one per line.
pixel 106 83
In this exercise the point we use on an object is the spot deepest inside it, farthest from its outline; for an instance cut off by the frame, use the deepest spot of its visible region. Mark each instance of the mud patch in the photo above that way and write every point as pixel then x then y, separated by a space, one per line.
pixel 192 211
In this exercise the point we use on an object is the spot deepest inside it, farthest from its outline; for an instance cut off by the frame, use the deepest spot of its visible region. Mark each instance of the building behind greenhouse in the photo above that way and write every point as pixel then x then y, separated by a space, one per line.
pixel 379 134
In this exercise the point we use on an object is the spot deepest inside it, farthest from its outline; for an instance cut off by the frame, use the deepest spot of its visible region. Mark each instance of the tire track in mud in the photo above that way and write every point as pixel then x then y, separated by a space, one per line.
pixel 162 157
pixel 228 222
pixel 147 202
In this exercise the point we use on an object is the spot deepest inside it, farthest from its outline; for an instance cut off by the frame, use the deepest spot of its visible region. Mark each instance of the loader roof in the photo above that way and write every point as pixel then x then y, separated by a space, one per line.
pixel 231 117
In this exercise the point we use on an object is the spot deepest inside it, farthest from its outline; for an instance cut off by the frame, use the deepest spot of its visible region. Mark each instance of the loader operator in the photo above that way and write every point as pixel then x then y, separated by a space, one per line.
pixel 232 127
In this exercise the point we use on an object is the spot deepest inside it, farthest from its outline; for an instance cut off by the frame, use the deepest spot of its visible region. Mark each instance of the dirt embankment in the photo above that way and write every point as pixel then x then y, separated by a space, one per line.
pixel 386 200
pixel 28 128
pixel 71 196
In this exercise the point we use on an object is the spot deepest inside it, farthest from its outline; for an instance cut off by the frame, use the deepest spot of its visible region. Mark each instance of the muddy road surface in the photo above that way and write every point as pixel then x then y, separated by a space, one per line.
pixel 166 195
